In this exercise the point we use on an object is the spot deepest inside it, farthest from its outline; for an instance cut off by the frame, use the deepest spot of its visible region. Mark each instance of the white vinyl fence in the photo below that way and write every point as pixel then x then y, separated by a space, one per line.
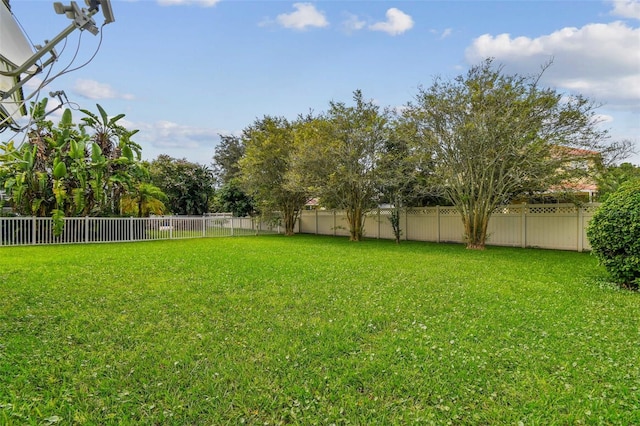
pixel 551 226
pixel 39 230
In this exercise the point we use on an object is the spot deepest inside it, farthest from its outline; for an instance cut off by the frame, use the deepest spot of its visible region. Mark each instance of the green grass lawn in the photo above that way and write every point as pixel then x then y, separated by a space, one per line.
pixel 313 330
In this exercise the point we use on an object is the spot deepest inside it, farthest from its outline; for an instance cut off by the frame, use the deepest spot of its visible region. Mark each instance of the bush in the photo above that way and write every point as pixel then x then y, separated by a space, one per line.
pixel 614 234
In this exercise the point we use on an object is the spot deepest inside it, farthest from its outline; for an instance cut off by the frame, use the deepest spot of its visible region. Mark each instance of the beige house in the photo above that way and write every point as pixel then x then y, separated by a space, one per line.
pixel 580 166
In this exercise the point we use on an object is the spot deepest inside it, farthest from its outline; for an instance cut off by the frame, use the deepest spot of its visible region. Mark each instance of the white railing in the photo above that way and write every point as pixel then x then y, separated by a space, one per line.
pixel 552 226
pixel 40 230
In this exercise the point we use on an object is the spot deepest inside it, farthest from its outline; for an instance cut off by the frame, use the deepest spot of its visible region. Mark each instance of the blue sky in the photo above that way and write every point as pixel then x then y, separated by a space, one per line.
pixel 184 71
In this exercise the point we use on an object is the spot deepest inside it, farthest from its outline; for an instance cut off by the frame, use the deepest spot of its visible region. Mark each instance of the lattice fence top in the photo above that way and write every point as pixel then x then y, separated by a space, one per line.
pixel 449 211
pixel 590 208
pixel 509 210
pixel 426 211
pixel 513 210
pixel 553 209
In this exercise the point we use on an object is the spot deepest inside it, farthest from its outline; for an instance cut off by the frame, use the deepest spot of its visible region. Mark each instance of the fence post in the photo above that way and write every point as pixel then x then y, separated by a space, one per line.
pixel 523 226
pixel 406 224
pixel 317 228
pixel 580 229
pixel 378 222
pixel 170 227
pixel 334 223
pixel 232 226
pixel 204 226
pixel 438 220
pixel 131 228
pixel 33 230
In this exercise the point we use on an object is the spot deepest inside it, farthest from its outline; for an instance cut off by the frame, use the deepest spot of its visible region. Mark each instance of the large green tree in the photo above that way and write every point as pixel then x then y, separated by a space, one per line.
pixel 338 158
pixel 404 172
pixel 226 157
pixel 188 186
pixel 264 168
pixel 230 196
pixel 494 136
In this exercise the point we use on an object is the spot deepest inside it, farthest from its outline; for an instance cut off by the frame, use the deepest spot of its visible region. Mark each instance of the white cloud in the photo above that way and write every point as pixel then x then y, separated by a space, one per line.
pixel 397 22
pixel 306 15
pixel 353 23
pixel 626 8
pixel 94 90
pixel 196 144
pixel 203 3
pixel 446 33
pixel 598 60
pixel 167 134
pixel 442 34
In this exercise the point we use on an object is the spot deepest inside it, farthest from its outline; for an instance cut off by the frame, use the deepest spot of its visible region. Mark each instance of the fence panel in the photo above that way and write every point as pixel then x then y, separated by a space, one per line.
pixel 326 224
pixel 451 228
pixel 587 213
pixel 16 231
pixel 505 226
pixel 32 231
pixel 420 224
pixel 307 224
pixel 341 227
pixel 552 226
pixel 385 229
pixel 218 226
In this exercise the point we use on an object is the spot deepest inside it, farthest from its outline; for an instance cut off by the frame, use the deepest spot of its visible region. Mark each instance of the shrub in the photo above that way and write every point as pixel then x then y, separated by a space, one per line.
pixel 614 234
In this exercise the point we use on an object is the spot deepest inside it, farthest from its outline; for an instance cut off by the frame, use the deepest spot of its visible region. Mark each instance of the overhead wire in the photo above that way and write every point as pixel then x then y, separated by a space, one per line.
pixel 47 80
pixel 36 93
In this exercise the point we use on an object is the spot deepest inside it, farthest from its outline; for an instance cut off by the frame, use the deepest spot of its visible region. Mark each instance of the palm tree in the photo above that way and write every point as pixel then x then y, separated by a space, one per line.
pixel 144 200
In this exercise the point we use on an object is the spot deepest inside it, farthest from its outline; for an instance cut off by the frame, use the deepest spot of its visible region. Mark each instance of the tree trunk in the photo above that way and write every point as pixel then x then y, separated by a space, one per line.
pixel 356 224
pixel 290 216
pixel 475 227
pixel 288 225
pixel 394 218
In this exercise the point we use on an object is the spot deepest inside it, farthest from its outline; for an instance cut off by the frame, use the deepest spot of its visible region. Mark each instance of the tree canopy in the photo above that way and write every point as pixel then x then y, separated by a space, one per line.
pixel 493 136
pixel 610 178
pixel 189 186
pixel 230 196
pixel 338 158
pixel 226 156
pixel 264 167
